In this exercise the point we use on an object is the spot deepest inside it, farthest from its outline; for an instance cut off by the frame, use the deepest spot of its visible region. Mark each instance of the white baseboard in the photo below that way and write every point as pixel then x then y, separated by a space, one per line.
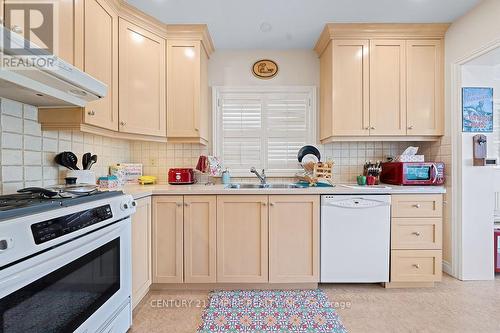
pixel 447 268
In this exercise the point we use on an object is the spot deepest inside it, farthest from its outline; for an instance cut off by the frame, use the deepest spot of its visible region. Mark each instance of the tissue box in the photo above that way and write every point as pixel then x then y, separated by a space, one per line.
pixel 127 173
pixel 410 158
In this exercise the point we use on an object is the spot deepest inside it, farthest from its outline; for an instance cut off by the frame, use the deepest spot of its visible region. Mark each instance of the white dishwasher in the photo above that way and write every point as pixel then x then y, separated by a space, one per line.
pixel 355 238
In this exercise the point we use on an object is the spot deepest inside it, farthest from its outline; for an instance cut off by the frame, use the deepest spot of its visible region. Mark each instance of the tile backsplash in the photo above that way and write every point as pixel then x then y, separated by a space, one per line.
pixel 349 157
pixel 27 152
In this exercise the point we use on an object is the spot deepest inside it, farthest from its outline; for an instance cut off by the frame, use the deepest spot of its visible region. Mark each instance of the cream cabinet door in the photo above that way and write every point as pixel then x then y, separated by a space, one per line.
pixel 294 238
pixel 183 89
pixel 200 239
pixel 142 81
pixel 100 60
pixel 350 104
pixel 242 238
pixel 425 87
pixel 141 250
pixel 387 87
pixel 168 239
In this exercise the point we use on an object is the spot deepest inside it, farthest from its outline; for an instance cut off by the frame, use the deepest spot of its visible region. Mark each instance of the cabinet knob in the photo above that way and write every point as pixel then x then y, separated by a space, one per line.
pixel 264 204
pixel 91 113
pixel 367 128
pixel 410 127
pixel 416 205
pixel 271 204
pixel 179 204
pixel 123 123
pixel 372 127
pixel 417 266
pixel 416 233
pixel 186 204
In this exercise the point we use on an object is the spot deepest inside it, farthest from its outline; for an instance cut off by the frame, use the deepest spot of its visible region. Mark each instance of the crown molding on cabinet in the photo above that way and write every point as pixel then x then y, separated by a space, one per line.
pixel 191 32
pixel 168 31
pixel 379 31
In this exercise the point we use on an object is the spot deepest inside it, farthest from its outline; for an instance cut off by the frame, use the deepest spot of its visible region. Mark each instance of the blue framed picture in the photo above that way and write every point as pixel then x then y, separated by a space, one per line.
pixel 477 109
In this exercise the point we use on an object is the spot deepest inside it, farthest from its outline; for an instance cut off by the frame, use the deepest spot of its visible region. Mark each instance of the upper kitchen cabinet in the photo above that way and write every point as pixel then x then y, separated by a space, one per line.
pixel 188 50
pixel 387 87
pixel 425 87
pixel 381 81
pixel 96 53
pixel 99 58
pixel 345 70
pixel 142 81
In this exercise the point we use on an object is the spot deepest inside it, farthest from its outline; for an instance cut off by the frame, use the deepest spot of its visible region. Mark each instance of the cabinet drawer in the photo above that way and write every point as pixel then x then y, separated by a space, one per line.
pixel 416 265
pixel 423 205
pixel 416 233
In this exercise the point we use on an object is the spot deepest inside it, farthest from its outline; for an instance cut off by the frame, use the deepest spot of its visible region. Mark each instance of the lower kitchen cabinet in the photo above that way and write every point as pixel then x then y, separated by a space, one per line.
pixel 294 238
pixel 242 238
pixel 416 240
pixel 200 239
pixel 168 221
pixel 141 250
pixel 416 265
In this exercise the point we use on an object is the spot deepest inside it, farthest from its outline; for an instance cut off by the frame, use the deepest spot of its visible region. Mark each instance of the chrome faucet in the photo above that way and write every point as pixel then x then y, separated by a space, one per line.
pixel 261 176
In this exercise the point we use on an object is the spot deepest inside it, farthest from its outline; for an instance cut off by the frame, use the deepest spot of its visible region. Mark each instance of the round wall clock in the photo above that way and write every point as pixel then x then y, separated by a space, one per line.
pixel 265 69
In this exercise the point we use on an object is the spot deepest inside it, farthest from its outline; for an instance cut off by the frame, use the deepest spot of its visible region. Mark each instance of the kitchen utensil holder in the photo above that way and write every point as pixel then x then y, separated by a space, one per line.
pixel 82 176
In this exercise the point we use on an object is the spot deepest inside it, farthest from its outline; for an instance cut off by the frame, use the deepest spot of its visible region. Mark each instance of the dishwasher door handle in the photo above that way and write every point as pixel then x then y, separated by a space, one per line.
pixel 357 203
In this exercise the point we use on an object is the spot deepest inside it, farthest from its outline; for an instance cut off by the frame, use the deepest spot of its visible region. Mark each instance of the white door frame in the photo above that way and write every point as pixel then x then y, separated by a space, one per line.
pixel 456 137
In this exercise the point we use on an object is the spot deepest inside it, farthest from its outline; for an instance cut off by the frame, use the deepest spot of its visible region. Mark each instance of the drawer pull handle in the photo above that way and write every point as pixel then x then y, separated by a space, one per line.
pixel 416 205
pixel 416 233
pixel 417 266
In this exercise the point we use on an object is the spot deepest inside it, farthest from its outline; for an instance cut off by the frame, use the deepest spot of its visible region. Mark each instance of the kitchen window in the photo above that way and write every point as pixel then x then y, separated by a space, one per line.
pixel 263 127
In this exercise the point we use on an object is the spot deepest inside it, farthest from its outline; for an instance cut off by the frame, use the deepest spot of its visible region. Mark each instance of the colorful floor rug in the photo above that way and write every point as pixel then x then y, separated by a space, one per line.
pixel 270 311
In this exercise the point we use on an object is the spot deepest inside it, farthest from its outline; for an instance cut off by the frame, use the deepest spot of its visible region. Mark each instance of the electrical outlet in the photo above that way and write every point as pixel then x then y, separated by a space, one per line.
pixel 153 162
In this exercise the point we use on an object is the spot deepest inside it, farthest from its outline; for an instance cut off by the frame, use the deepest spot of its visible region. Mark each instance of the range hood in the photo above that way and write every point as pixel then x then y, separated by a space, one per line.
pixel 60 85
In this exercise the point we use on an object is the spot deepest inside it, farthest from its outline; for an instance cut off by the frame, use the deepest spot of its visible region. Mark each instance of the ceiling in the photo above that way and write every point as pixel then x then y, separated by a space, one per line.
pixel 288 24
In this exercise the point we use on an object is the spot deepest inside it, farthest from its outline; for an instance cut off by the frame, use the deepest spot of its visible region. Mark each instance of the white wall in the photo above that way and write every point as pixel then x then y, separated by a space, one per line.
pixel 234 67
pixel 478 190
pixel 473 187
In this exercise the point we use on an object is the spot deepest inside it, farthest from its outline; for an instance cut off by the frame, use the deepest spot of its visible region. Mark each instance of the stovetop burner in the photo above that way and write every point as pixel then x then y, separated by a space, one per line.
pixel 20 204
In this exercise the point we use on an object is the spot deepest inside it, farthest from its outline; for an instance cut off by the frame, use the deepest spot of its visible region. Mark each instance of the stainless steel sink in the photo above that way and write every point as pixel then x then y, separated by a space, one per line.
pixel 263 186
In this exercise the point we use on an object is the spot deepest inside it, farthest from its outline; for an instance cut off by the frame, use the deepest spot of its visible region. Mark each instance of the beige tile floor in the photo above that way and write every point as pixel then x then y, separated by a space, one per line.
pixel 453 306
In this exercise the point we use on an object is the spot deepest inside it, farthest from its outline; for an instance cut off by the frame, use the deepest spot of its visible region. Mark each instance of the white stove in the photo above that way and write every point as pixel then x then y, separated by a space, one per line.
pixel 65 263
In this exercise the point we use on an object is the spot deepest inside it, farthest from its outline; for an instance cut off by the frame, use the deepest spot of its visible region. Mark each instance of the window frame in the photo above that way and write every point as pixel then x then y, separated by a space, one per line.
pixel 217 130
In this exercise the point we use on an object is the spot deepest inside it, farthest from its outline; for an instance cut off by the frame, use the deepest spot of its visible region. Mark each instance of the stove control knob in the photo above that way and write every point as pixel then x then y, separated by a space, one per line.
pixel 125 205
pixel 134 203
pixel 6 243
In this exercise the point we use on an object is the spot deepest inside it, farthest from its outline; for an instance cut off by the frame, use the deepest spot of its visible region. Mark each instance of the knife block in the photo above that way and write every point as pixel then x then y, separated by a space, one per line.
pixel 479 150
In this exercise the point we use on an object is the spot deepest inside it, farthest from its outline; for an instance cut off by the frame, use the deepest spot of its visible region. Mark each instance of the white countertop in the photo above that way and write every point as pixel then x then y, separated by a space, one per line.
pixel 140 191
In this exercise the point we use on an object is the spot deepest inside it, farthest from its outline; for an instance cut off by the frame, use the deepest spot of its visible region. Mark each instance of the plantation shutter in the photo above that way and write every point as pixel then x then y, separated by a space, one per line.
pixel 264 129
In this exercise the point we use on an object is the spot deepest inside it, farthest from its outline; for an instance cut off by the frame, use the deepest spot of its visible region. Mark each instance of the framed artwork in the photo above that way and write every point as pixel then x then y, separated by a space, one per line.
pixel 477 109
pixel 265 69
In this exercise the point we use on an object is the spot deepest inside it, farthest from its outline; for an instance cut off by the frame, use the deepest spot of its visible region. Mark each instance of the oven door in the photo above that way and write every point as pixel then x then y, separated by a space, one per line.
pixel 80 286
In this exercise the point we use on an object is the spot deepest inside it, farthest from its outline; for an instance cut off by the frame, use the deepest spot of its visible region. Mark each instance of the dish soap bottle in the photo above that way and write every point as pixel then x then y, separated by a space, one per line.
pixel 226 177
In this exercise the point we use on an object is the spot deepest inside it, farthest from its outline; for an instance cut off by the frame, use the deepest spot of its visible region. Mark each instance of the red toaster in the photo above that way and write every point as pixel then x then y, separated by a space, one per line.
pixel 181 176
